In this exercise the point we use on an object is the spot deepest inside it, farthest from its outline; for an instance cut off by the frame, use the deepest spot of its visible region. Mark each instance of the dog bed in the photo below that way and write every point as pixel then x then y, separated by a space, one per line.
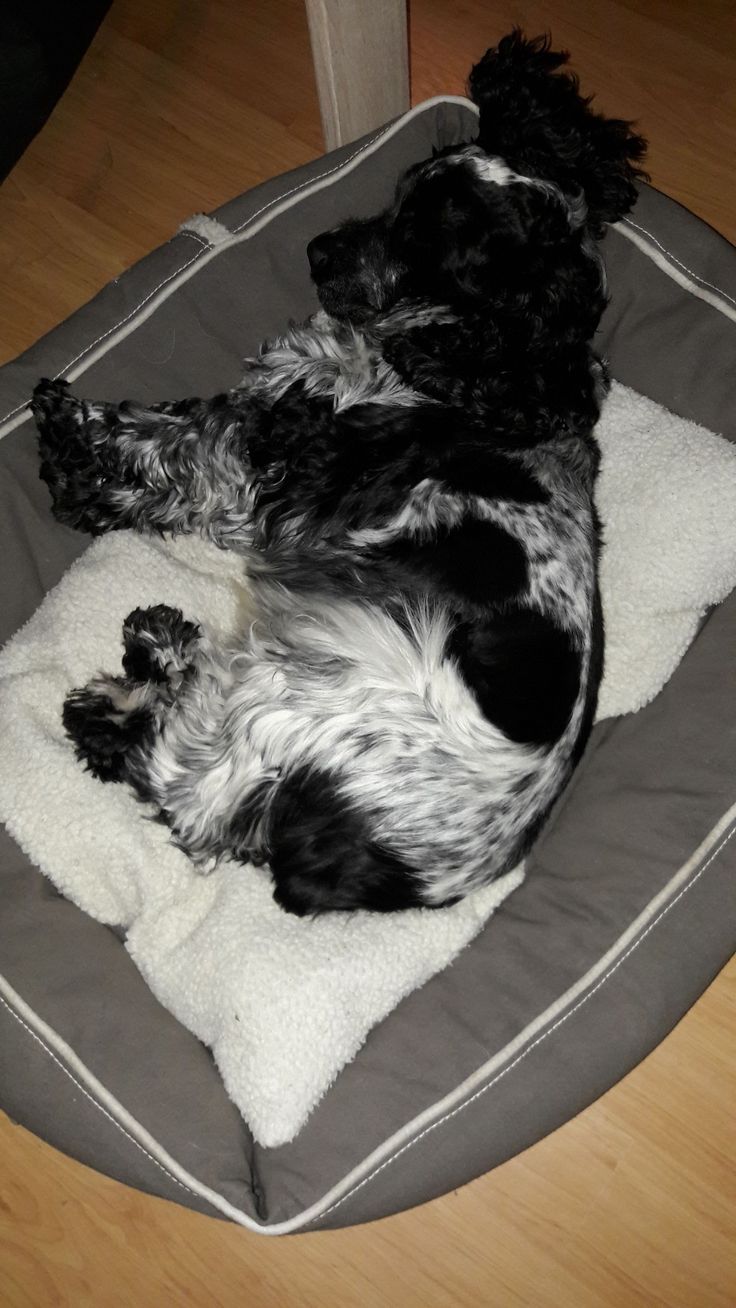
pixel 627 910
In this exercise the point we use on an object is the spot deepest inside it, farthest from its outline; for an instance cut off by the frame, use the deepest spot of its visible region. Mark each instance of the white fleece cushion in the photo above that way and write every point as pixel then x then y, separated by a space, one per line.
pixel 667 499
pixel 284 1003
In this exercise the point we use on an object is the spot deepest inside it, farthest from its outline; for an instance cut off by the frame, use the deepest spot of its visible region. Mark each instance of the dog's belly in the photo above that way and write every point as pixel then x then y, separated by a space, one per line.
pixel 380 711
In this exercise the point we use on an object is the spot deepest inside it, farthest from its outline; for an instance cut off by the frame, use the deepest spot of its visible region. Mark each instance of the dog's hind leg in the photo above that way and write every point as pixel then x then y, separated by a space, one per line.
pixel 113 719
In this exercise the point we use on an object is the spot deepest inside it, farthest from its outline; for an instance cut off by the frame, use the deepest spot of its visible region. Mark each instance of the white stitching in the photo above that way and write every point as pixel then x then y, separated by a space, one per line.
pixel 630 223
pixel 186 231
pixel 276 200
pixel 94 1101
pixel 489 1085
pixel 18 409
pixel 132 313
pixel 114 328
pixel 320 178
pixel 264 1229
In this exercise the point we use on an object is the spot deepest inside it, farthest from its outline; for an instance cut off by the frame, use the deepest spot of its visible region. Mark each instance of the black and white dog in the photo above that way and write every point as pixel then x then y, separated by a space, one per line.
pixel 410 477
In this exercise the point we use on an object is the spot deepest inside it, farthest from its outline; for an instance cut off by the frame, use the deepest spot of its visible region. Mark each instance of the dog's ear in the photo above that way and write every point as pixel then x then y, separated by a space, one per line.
pixel 464 235
pixel 442 361
pixel 533 116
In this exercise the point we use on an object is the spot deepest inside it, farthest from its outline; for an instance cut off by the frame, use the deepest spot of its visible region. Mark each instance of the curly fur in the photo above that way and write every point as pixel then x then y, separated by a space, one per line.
pixel 410 476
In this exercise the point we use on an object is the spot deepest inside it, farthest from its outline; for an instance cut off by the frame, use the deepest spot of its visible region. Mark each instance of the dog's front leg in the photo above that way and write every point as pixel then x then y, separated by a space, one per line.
pixel 179 467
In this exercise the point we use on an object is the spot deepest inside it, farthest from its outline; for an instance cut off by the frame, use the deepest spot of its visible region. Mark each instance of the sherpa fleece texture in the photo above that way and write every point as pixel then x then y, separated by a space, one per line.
pixel 284 1003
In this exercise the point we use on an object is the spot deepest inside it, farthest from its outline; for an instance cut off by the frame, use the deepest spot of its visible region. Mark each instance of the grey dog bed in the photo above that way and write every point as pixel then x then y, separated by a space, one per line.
pixel 628 909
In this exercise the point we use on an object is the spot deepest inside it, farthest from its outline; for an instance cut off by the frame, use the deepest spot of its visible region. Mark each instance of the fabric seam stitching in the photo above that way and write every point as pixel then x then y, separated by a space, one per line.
pixel 184 231
pixel 121 323
pixel 54 1057
pixel 263 1228
pixel 696 276
pixel 206 248
pixel 539 1039
pixel 295 189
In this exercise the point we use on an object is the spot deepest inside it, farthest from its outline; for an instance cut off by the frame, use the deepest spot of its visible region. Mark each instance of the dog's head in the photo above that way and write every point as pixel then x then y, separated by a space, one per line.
pixel 491 219
pixel 462 226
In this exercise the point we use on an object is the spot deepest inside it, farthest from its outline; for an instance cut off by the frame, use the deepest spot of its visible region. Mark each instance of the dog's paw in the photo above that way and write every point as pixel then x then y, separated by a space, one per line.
pixel 68 464
pixel 105 720
pixel 52 400
pixel 71 461
pixel 159 644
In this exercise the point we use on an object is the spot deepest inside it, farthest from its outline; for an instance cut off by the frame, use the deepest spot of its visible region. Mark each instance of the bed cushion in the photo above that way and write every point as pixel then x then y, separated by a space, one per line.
pixel 628 909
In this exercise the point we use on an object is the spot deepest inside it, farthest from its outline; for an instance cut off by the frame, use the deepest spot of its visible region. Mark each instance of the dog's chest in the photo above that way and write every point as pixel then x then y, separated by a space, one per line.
pixel 329 360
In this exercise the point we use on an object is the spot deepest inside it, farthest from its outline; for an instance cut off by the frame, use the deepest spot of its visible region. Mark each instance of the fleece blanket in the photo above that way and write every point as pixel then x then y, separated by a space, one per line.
pixel 284 1003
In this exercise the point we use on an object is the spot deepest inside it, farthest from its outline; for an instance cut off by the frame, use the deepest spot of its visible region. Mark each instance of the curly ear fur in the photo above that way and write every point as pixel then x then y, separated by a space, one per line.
pixel 504 380
pixel 465 242
pixel 534 117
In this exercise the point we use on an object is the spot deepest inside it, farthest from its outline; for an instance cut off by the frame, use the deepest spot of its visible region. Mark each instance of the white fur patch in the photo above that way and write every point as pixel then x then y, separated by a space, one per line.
pixel 330 359
pixel 493 169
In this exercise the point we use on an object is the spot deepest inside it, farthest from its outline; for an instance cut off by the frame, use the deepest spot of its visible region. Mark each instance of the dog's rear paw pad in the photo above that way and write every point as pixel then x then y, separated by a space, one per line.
pixel 105 720
pixel 159 643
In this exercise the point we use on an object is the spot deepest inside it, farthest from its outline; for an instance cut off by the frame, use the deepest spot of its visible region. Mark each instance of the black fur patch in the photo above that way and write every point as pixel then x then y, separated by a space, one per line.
pixel 102 737
pixel 157 641
pixel 523 670
pixel 481 472
pixel 476 562
pixel 532 114
pixel 321 858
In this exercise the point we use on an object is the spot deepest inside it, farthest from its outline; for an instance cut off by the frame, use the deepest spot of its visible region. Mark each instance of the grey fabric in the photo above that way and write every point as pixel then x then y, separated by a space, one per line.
pixel 39 1092
pixel 649 790
pixel 660 339
pixel 637 809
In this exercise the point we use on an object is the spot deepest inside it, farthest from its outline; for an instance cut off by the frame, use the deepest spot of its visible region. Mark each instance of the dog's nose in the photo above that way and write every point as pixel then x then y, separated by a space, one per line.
pixel 318 253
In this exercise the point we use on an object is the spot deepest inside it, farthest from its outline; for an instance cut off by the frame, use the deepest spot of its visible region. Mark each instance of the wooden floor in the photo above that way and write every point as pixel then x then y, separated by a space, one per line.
pixel 179 105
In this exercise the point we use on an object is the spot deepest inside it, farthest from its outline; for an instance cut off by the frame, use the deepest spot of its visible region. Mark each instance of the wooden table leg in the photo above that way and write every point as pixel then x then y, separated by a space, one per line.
pixel 361 62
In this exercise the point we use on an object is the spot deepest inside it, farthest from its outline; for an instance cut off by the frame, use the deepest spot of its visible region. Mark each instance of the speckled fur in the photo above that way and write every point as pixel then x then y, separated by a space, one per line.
pixel 410 477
